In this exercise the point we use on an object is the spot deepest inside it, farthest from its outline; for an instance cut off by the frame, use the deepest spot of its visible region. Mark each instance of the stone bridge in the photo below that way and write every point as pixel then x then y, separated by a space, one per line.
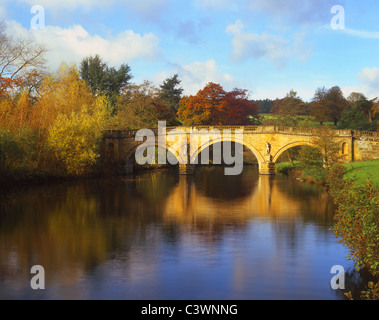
pixel 267 143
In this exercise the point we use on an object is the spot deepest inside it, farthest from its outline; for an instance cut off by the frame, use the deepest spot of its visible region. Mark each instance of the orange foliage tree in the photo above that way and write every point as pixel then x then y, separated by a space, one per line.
pixel 7 85
pixel 240 110
pixel 214 106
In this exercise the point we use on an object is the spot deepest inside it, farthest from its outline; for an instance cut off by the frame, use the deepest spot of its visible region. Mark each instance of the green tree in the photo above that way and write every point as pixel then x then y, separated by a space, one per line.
pixel 264 106
pixel 171 92
pixel 318 159
pixel 367 107
pixel 354 118
pixel 104 80
pixel 94 71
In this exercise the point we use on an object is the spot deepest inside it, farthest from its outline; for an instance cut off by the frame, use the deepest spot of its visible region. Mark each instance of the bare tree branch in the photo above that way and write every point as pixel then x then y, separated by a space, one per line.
pixel 19 56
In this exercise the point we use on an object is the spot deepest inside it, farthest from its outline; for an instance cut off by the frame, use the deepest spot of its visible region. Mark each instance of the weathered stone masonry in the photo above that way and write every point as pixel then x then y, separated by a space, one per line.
pixel 267 143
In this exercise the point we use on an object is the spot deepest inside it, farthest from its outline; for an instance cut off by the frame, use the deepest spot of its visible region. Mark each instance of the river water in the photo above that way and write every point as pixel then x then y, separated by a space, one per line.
pixel 158 235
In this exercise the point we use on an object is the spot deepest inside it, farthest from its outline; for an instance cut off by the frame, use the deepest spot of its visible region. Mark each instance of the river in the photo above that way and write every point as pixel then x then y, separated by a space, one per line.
pixel 158 235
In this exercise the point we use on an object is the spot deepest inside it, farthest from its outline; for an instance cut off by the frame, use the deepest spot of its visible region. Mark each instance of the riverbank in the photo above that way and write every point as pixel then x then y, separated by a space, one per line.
pixel 360 172
pixel 355 190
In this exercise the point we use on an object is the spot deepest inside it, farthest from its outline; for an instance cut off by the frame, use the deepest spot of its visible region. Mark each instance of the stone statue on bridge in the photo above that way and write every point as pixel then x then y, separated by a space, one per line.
pixel 268 148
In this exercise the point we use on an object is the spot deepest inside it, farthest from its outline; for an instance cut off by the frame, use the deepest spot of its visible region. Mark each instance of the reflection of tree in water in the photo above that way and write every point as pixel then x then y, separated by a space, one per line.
pixel 155 186
pixel 72 228
pixel 316 205
pixel 313 206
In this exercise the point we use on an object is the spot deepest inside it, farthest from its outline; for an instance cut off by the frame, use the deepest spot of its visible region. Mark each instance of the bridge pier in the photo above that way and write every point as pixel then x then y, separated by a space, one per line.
pixel 187 169
pixel 128 169
pixel 267 168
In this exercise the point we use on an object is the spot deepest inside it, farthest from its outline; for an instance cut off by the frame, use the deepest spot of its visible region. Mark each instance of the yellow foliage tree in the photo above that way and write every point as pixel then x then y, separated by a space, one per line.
pixel 75 137
pixel 60 93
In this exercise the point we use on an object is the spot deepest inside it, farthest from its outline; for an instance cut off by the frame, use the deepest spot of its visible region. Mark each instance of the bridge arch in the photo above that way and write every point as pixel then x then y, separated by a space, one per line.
pixel 206 145
pixel 292 145
pixel 131 154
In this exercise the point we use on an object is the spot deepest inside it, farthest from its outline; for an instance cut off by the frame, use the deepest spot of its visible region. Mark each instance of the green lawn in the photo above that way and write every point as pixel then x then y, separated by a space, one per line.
pixel 363 171
pixel 266 117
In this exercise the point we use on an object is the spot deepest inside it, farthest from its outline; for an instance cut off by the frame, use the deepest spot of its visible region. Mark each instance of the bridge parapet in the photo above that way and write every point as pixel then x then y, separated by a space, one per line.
pixel 247 129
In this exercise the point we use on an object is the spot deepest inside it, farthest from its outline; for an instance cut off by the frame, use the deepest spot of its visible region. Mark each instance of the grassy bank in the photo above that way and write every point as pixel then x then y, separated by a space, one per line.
pixel 363 171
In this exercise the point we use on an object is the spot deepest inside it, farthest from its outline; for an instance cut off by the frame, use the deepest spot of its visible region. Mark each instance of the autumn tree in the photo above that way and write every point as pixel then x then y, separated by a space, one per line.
pixel 328 105
pixel 69 120
pixel 240 110
pixel 288 109
pixel 75 137
pixel 318 107
pixel 205 108
pixel 336 103
pixel 139 107
pixel 61 93
pixel 214 106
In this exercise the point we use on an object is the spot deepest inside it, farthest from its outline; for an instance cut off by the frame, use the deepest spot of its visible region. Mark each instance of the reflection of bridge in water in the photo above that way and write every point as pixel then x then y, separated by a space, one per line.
pixel 267 143
pixel 89 223
pixel 267 199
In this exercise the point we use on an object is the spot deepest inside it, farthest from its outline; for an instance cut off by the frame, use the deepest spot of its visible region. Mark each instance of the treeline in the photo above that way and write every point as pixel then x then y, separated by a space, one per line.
pixel 355 112
pixel 52 123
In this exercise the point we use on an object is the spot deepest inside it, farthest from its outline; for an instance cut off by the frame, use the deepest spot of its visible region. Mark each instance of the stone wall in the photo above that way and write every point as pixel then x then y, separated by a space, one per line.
pixel 366 149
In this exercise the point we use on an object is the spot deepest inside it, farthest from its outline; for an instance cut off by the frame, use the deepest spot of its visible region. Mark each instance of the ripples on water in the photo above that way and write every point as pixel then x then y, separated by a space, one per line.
pixel 159 235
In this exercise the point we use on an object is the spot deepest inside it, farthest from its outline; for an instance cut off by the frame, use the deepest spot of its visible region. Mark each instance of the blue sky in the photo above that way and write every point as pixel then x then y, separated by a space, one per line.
pixel 265 46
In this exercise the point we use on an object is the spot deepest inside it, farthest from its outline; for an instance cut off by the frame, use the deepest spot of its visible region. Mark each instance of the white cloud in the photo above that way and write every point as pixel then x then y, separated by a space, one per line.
pixel 371 76
pixel 361 33
pixel 197 74
pixel 248 45
pixel 74 43
pixel 368 83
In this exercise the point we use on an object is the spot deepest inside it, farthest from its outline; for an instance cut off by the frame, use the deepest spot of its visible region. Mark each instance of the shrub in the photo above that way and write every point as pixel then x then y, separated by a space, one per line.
pixel 357 224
